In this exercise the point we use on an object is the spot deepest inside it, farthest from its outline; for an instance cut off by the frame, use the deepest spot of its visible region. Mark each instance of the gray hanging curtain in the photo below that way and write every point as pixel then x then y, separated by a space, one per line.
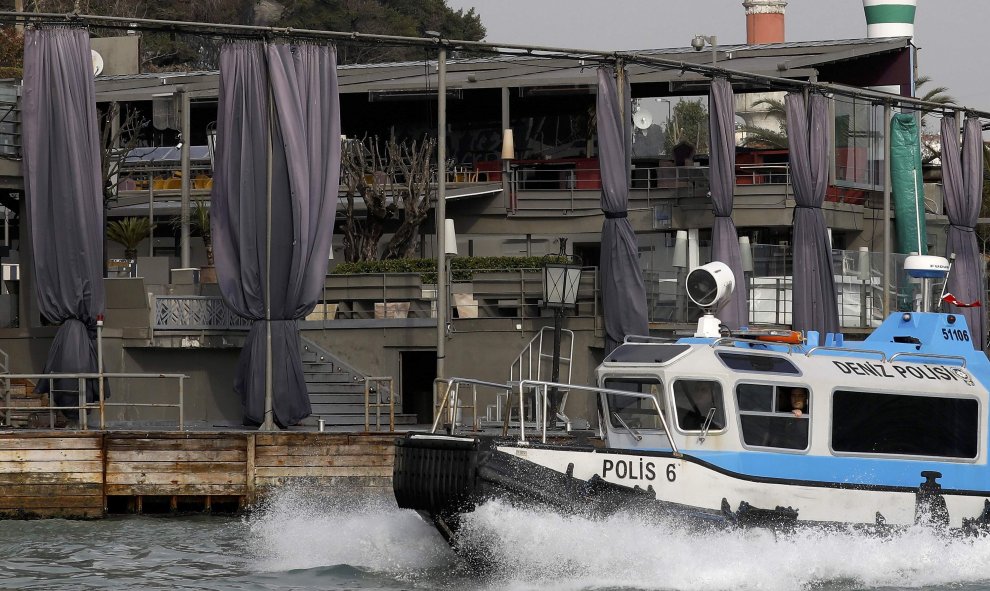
pixel 962 175
pixel 305 175
pixel 62 182
pixel 623 291
pixel 814 302
pixel 725 241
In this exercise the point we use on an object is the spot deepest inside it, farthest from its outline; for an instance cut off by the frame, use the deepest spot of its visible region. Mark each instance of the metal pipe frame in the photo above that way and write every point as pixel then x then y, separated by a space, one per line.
pixel 247 31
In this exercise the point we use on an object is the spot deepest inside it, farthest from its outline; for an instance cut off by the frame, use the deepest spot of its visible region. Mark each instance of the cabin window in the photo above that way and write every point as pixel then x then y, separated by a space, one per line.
pixel 867 422
pixel 695 401
pixel 636 413
pixel 760 363
pixel 774 416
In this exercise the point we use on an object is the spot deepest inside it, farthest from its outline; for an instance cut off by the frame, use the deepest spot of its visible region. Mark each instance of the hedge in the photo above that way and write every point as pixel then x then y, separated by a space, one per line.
pixel 461 267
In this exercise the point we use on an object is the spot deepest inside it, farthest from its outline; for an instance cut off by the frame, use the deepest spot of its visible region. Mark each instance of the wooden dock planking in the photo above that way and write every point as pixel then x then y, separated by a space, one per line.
pixel 51 475
pixel 282 458
pixel 71 474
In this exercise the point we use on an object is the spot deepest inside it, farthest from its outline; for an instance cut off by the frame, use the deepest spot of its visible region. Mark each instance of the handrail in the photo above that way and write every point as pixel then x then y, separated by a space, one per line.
pixel 644 339
pixel 101 403
pixel 378 404
pixel 928 355
pixel 450 398
pixel 883 357
pixel 540 386
pixel 727 340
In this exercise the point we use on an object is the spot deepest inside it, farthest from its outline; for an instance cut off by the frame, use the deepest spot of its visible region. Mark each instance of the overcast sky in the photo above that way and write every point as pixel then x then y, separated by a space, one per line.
pixel 951 34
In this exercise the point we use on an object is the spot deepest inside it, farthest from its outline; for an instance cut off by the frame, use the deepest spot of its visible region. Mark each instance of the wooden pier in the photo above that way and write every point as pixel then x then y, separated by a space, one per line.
pixel 80 474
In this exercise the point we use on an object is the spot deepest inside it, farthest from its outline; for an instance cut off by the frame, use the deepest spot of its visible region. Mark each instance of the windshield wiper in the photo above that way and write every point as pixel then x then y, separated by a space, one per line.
pixel 631 431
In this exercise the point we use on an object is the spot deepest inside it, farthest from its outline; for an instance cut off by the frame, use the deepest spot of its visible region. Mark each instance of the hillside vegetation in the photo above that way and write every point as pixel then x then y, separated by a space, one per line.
pixel 175 51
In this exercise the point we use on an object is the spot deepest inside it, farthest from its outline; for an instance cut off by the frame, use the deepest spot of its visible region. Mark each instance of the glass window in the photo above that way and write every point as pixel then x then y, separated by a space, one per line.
pixel 636 413
pixel 865 422
pixel 774 416
pixel 761 363
pixel 697 400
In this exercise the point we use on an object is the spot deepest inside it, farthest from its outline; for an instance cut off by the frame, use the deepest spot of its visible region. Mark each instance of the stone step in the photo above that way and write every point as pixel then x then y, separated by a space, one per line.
pixel 328 366
pixel 336 378
pixel 335 408
pixel 335 388
pixel 349 420
pixel 337 397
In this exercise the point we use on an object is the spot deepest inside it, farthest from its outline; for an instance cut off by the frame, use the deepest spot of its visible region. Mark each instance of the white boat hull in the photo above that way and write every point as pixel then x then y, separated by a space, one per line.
pixel 692 483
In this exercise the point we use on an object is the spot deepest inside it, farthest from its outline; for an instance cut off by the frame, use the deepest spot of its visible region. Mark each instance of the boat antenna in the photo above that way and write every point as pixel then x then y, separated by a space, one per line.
pixel 952 259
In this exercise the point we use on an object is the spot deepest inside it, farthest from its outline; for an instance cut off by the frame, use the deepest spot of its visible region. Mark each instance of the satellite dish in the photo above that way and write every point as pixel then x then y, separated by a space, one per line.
pixel 642 119
pixel 97 62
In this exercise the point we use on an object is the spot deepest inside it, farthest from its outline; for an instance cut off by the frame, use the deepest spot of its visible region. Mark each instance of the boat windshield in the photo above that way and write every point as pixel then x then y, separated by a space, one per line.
pixel 636 413
pixel 697 400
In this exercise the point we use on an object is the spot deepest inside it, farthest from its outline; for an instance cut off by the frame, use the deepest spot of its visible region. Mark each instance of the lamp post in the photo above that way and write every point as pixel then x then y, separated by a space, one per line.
pixel 746 260
pixel 560 287
pixel 679 260
pixel 508 153
pixel 699 41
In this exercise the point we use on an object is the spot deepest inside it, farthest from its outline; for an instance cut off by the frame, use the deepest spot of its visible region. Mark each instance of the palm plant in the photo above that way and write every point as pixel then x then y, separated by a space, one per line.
pixel 935 95
pixel 199 223
pixel 761 137
pixel 129 232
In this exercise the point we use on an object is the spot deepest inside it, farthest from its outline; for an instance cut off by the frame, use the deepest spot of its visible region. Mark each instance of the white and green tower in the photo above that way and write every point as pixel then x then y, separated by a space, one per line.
pixel 890 18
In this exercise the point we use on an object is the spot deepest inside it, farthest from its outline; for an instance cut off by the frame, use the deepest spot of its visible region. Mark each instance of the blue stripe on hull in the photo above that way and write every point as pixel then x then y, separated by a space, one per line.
pixel 845 470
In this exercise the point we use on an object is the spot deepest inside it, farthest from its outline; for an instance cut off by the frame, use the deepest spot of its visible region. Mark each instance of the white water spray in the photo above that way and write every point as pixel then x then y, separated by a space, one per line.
pixel 536 550
pixel 300 528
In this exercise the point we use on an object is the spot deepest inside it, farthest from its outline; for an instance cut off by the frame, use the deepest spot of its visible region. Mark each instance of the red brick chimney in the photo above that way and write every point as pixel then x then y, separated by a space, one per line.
pixel 764 21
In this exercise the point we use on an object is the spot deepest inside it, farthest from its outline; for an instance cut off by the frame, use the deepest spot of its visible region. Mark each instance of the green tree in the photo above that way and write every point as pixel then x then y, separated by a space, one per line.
pixel 688 123
pixel 410 18
pixel 177 52
pixel 11 53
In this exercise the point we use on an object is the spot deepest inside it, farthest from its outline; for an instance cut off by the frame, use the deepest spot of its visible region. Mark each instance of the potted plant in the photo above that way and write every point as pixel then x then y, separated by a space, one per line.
pixel 129 232
pixel 199 225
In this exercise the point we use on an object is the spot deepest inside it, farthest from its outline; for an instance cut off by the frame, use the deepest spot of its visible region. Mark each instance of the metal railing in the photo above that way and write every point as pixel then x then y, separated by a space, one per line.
pixel 542 389
pixel 10 125
pixel 529 365
pixel 382 387
pixel 57 383
pixel 474 293
pixel 195 313
pixel 857 276
pixel 448 407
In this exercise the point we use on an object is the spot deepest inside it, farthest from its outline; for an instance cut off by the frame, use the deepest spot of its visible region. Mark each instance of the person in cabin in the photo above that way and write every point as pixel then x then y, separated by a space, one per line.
pixel 799 401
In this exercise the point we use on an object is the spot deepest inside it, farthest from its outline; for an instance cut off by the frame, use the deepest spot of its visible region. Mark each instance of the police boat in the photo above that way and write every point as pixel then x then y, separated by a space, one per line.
pixel 771 427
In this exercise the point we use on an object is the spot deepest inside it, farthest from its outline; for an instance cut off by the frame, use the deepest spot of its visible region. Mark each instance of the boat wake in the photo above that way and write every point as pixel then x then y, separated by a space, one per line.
pixel 533 549
pixel 540 550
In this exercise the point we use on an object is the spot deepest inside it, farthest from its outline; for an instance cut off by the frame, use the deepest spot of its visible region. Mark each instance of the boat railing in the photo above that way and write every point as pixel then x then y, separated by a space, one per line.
pixel 643 339
pixel 449 405
pixel 542 389
pixel 959 358
pixel 883 356
pixel 769 345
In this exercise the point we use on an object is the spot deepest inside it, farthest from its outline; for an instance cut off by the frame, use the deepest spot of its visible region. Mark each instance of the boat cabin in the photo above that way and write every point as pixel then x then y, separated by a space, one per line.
pixel 914 389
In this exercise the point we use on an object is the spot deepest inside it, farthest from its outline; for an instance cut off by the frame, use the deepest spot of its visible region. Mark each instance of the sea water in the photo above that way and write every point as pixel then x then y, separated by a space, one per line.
pixel 302 539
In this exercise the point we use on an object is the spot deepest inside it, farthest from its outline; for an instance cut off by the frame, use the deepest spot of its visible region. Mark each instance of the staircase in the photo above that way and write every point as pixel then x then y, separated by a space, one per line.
pixel 336 391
